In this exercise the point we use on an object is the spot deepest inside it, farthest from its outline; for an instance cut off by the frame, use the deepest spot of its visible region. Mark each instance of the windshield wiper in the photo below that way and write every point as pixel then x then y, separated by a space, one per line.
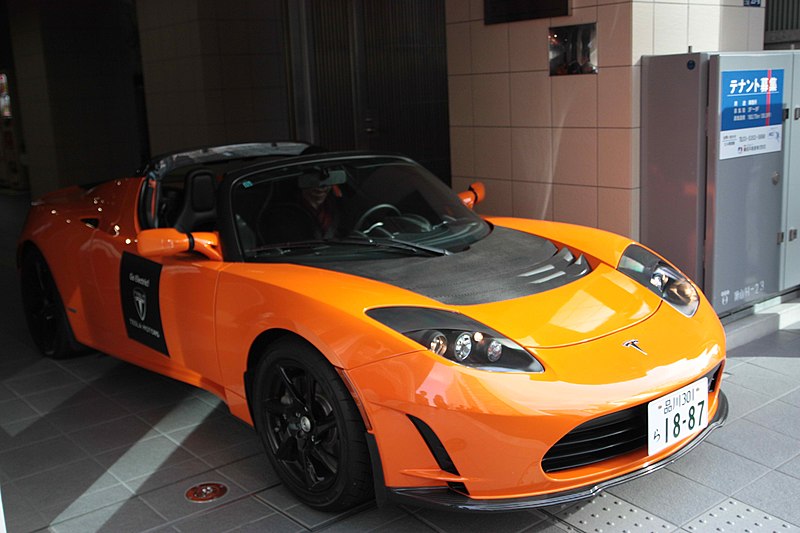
pixel 399 244
pixel 393 244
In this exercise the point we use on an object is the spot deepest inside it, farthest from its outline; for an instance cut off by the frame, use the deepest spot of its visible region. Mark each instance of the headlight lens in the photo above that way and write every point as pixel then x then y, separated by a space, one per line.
pixel 458 338
pixel 661 278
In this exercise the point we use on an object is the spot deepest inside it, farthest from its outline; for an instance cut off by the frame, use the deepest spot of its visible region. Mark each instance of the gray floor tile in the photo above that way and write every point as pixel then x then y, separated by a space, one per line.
pixel 24 433
pixel 143 458
pixel 450 522
pixel 776 493
pixel 84 503
pixel 24 366
pixel 274 523
pixel 779 416
pixel 65 483
pixel 188 413
pixel 732 361
pixel 15 410
pixel 409 524
pixel 171 501
pixel 76 417
pixel 368 520
pixel 119 433
pixel 771 345
pixel 252 474
pixel 668 496
pixel 280 498
pixel 126 378
pixel 755 442
pixel 131 516
pixel 40 382
pixel 718 469
pixel 227 517
pixel 792 398
pixel 213 435
pixel 243 450
pixel 68 396
pixel 153 396
pixel 549 526
pixel 792 467
pixel 167 475
pixel 20 514
pixel 787 366
pixel 92 365
pixel 742 400
pixel 6 394
pixel 761 379
pixel 40 456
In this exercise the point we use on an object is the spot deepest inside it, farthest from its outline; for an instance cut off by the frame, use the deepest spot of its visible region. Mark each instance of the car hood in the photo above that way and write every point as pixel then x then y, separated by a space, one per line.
pixel 519 284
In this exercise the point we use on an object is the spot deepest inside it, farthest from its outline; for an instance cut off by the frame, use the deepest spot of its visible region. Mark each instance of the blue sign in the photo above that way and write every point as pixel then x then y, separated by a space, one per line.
pixel 751 98
pixel 752 112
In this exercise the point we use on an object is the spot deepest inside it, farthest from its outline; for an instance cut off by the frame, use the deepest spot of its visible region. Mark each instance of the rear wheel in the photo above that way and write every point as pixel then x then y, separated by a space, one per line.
pixel 311 428
pixel 44 310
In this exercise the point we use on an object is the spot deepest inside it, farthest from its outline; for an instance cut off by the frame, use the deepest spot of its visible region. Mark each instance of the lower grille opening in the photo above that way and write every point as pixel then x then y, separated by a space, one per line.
pixel 598 440
pixel 606 437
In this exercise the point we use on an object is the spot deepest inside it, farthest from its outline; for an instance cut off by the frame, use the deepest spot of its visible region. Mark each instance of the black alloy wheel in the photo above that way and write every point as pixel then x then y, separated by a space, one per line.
pixel 44 309
pixel 311 428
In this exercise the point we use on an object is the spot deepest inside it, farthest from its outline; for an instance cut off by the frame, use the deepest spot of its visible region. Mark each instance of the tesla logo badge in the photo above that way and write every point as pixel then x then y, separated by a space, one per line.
pixel 140 299
pixel 634 343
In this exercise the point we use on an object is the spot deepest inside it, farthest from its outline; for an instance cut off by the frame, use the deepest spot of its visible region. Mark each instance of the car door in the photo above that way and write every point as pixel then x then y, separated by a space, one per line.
pixel 157 312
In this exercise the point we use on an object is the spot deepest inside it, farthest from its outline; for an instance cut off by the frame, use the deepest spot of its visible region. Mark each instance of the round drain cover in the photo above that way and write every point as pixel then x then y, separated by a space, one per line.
pixel 206 492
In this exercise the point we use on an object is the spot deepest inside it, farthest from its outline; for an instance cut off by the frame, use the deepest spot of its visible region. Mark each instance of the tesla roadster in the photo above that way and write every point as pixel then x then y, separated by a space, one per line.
pixel 383 339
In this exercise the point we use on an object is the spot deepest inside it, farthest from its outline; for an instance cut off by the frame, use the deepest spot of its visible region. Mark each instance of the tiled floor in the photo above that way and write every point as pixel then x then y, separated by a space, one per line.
pixel 95 444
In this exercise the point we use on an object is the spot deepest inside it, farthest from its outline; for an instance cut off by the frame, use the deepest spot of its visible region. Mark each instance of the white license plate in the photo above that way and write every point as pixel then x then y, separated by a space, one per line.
pixel 677 416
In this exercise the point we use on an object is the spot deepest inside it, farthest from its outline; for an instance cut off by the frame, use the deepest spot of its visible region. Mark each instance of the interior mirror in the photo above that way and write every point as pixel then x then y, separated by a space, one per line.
pixel 169 241
pixel 474 195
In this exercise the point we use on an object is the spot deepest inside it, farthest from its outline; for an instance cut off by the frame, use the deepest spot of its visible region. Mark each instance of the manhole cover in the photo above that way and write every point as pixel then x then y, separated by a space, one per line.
pixel 206 492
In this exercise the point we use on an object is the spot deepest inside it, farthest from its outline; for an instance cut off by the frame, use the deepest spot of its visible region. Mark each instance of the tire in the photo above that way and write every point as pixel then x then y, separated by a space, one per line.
pixel 44 309
pixel 311 428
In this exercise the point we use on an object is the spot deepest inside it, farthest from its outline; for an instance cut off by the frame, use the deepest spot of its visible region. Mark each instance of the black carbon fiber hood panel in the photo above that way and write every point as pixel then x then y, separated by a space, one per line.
pixel 506 264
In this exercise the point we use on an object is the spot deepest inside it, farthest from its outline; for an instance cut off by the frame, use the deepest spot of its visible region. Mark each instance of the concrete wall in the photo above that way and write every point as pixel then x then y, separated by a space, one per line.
pixel 214 71
pixel 566 148
pixel 75 67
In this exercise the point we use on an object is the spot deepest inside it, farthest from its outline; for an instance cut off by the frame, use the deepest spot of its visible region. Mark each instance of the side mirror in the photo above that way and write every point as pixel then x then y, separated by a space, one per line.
pixel 474 195
pixel 169 241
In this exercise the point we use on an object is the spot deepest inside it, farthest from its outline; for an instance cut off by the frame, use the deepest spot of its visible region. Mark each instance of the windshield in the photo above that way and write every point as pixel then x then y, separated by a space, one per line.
pixel 350 208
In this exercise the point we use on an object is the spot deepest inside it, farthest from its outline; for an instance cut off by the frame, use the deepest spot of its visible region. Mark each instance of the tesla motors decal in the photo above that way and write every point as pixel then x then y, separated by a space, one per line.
pixel 139 279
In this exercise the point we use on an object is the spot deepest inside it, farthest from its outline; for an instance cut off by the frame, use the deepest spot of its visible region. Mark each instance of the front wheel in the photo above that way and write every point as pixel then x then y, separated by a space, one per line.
pixel 44 309
pixel 311 429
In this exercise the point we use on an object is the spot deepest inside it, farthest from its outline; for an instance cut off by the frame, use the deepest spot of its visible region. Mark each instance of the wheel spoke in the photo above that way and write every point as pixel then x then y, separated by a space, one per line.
pixel 310 390
pixel 327 459
pixel 309 472
pixel 287 381
pixel 276 407
pixel 322 427
pixel 287 450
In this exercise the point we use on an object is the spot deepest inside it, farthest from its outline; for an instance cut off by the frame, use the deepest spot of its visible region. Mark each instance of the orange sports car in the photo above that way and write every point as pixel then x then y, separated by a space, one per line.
pixel 383 339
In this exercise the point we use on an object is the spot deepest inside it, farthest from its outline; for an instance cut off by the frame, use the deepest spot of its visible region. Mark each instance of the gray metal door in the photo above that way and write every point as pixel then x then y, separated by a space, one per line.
pixel 745 174
pixel 790 276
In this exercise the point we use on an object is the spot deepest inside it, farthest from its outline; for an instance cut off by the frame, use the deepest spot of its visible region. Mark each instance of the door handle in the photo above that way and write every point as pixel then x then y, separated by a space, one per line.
pixel 797 113
pixel 776 178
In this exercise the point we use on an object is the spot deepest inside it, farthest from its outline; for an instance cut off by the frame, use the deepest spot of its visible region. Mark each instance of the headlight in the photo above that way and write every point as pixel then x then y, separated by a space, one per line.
pixel 458 338
pixel 661 278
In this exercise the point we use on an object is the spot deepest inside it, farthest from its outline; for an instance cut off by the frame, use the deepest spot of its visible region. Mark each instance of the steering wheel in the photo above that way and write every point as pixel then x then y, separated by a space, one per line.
pixel 371 211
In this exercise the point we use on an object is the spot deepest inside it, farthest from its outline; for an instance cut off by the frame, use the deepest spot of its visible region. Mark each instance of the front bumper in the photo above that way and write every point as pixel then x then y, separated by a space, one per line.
pixel 442 497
